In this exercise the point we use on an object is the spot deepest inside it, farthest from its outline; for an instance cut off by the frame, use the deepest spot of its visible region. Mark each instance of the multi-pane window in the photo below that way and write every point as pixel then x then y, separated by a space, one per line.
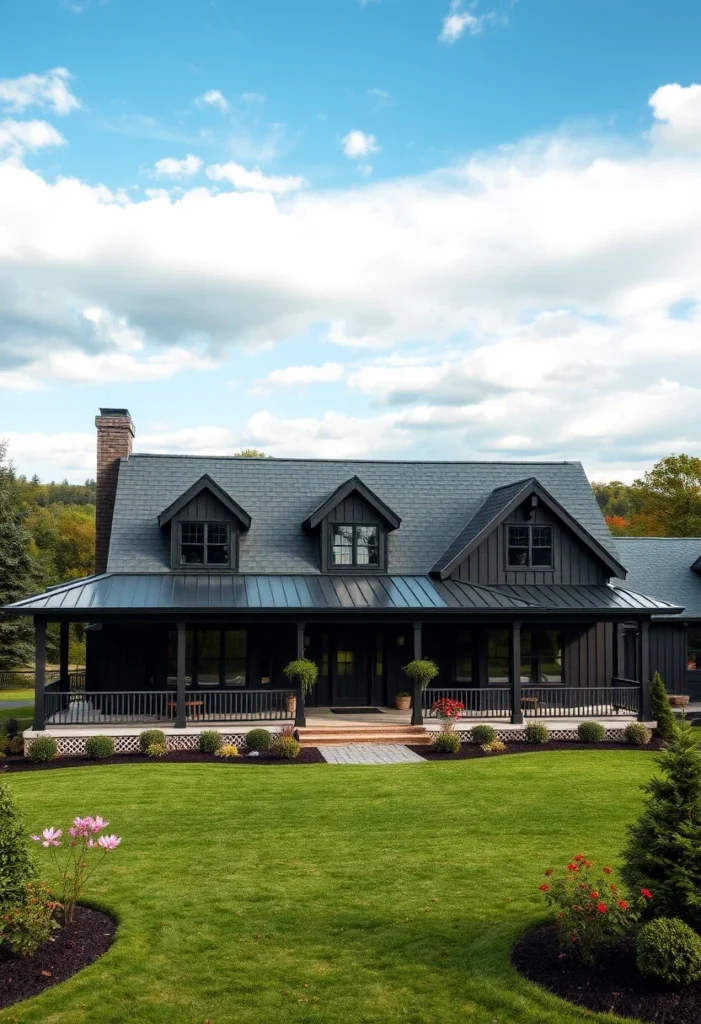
pixel 213 657
pixel 345 662
pixel 204 544
pixel 352 544
pixel 541 656
pixel 693 650
pixel 529 546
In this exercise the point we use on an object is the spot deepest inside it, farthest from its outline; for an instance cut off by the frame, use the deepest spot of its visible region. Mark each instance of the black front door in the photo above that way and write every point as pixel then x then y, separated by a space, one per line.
pixel 351 669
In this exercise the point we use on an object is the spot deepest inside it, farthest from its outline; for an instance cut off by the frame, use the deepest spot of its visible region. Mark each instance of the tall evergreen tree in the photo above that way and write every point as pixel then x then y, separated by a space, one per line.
pixel 663 853
pixel 19 574
pixel 16 865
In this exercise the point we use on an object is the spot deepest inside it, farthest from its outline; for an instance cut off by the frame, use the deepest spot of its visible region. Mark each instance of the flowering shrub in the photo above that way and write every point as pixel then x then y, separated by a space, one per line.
pixel 448 709
pixel 590 909
pixel 73 866
pixel 494 747
pixel 24 926
pixel 228 750
pixel 157 750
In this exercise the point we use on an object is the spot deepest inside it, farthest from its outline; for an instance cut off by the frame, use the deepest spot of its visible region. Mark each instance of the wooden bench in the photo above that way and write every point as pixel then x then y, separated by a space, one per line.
pixel 531 701
pixel 173 705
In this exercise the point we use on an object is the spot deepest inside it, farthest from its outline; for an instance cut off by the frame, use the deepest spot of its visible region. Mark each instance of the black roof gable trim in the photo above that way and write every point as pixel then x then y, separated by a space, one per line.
pixel 354 485
pixel 205 483
pixel 501 503
pixel 696 566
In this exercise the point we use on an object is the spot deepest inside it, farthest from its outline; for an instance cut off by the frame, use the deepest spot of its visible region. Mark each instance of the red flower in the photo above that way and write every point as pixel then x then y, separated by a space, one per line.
pixel 576 907
pixel 573 938
pixel 588 863
pixel 606 871
pixel 646 894
pixel 622 904
pixel 544 888
pixel 602 908
pixel 594 894
pixel 613 888
pixel 579 857
pixel 572 867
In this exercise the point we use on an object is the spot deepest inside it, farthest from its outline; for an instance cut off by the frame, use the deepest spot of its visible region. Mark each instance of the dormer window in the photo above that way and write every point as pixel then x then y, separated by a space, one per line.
pixel 352 544
pixel 205 544
pixel 530 547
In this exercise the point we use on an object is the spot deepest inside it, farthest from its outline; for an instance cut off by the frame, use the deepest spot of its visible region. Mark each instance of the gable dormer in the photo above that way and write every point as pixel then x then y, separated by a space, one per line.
pixel 522 535
pixel 353 524
pixel 205 524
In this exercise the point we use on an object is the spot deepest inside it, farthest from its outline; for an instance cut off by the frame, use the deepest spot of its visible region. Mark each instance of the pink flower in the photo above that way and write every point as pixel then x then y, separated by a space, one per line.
pixel 49 837
pixel 98 823
pixel 109 842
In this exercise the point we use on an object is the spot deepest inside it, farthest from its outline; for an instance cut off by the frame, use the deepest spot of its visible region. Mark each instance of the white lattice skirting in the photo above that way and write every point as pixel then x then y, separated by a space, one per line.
pixel 613 735
pixel 68 745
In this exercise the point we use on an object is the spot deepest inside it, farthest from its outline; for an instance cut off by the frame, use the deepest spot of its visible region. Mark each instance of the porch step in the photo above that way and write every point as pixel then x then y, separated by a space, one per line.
pixel 406 735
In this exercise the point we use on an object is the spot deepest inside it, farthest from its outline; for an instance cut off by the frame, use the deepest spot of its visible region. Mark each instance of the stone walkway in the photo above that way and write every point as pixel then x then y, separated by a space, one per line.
pixel 369 753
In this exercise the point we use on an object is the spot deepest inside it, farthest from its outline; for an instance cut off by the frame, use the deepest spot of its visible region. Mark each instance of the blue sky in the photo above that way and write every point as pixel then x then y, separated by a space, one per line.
pixel 397 228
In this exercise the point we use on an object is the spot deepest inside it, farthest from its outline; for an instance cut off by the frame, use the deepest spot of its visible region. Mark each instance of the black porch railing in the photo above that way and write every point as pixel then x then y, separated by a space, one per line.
pixel 494 702
pixel 80 708
pixel 541 701
pixel 22 678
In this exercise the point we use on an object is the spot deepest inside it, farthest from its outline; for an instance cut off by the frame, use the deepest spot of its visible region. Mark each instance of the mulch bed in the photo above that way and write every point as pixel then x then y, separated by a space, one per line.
pixel 470 750
pixel 74 946
pixel 611 986
pixel 307 755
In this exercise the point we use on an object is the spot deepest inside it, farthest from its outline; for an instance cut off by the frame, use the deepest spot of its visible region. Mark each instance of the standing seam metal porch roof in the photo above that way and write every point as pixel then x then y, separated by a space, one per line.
pixel 177 592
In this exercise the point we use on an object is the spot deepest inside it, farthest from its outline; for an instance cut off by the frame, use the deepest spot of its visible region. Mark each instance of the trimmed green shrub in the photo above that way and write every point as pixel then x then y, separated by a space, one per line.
pixel 669 950
pixel 210 741
pixel 662 852
pixel 536 732
pixel 157 750
pixel 303 673
pixel 99 746
pixel 661 710
pixel 421 671
pixel 149 736
pixel 43 748
pixel 258 739
pixel 483 734
pixel 16 866
pixel 591 732
pixel 286 747
pixel 637 734
pixel 446 743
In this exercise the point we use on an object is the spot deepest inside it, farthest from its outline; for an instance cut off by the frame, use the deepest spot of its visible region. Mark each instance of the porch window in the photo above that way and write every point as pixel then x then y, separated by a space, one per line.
pixel 345 662
pixel 541 656
pixel 693 650
pixel 213 657
pixel 352 544
pixel 530 547
pixel 204 544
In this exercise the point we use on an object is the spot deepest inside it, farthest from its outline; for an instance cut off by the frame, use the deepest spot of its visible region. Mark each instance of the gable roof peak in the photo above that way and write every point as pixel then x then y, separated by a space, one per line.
pixel 205 483
pixel 354 485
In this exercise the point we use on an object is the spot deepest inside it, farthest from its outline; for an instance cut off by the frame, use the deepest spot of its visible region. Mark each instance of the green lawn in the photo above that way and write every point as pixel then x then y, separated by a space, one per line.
pixel 24 694
pixel 329 894
pixel 24 714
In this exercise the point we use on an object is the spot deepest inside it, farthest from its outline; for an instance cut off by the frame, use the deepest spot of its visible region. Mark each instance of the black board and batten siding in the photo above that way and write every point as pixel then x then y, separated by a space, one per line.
pixel 204 508
pixel 572 562
pixel 668 656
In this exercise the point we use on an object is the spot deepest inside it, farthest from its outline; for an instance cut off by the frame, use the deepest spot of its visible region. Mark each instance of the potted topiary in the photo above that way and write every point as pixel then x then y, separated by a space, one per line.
pixel 302 674
pixel 422 671
pixel 402 701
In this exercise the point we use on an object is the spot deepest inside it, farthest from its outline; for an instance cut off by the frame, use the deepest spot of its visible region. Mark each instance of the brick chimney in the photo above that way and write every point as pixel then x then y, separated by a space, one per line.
pixel 115 432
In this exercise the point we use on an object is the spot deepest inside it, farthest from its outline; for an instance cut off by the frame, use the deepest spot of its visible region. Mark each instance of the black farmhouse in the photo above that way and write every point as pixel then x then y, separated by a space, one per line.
pixel 213 573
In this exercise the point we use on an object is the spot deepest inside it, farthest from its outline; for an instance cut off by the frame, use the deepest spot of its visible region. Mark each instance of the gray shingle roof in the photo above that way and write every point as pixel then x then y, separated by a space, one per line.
pixel 661 567
pixel 435 501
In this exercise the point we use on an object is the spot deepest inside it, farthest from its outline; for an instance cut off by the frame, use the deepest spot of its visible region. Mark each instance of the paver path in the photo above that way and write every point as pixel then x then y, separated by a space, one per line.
pixel 369 753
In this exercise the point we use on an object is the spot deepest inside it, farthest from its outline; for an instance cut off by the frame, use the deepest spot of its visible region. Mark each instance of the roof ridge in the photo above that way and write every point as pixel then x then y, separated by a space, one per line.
pixel 272 460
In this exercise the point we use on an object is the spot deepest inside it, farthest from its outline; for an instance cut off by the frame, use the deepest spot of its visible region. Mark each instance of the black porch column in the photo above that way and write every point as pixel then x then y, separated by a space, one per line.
pixel 644 672
pixel 180 694
pixel 417 713
pixel 515 673
pixel 39 672
pixel 63 657
pixel 619 660
pixel 300 717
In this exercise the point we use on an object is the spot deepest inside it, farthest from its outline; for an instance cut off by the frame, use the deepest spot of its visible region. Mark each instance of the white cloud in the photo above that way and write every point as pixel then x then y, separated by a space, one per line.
pixel 49 90
pixel 382 99
pixel 253 97
pixel 18 137
pixel 358 145
pixel 172 167
pixel 518 303
pixel 458 21
pixel 255 180
pixel 213 98
pixel 298 376
pixel 677 112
